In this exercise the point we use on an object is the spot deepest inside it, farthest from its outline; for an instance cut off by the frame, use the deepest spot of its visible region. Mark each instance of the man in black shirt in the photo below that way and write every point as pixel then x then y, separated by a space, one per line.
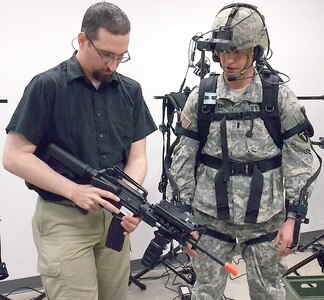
pixel 98 115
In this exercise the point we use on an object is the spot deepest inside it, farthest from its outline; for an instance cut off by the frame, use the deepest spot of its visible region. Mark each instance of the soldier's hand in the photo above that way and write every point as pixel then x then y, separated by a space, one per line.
pixel 188 248
pixel 284 237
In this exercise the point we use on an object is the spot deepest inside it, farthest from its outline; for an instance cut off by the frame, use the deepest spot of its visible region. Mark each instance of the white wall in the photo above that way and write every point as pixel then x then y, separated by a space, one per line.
pixel 36 35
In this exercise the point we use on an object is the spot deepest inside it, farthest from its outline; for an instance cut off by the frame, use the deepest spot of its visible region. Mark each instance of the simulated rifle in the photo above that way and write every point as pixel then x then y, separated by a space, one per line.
pixel 170 221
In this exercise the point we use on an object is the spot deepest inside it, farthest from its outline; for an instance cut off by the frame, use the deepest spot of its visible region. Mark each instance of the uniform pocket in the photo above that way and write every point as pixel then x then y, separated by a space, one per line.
pixel 49 270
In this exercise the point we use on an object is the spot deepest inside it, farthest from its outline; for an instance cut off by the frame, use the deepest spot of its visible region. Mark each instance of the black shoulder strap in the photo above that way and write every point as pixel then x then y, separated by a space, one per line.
pixel 270 111
pixel 269 107
pixel 206 106
pixel 173 103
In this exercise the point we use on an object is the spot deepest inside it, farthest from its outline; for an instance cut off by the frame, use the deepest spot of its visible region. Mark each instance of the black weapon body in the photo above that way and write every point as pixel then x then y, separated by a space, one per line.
pixel 170 221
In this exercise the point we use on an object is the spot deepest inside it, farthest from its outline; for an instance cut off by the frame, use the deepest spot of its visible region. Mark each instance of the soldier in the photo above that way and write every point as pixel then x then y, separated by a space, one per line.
pixel 245 187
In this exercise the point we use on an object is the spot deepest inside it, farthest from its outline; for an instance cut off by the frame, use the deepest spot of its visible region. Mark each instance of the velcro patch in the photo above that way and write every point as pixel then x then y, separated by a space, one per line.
pixel 185 121
pixel 210 98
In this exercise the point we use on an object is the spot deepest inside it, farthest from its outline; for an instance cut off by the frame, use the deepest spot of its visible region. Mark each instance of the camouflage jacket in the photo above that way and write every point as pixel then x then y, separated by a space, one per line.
pixel 282 183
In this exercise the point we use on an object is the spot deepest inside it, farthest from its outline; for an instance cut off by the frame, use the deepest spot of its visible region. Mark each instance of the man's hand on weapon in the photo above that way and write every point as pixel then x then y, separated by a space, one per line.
pixel 92 198
pixel 130 223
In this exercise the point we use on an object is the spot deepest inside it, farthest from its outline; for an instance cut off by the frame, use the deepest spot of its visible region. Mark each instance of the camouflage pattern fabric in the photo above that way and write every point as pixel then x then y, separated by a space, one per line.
pixel 297 161
pixel 264 267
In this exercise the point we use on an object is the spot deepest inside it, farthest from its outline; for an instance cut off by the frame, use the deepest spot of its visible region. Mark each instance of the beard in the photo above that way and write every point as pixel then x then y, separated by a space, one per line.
pixel 101 75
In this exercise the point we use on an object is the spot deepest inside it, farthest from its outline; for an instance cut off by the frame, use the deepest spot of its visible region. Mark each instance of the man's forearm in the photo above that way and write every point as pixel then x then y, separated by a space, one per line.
pixel 137 169
pixel 18 159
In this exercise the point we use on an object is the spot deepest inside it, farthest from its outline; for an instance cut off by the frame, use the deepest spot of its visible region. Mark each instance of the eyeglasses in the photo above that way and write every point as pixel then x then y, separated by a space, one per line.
pixel 110 58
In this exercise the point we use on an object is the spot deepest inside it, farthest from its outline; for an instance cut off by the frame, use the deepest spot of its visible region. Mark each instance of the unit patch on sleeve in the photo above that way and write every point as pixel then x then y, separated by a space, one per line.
pixel 185 121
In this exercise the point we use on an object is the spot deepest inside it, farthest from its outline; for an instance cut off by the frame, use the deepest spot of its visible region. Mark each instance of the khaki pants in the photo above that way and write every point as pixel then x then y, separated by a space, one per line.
pixel 72 258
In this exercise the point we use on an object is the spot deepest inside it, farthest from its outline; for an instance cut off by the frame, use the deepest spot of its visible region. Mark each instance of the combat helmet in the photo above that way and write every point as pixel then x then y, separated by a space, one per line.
pixel 240 26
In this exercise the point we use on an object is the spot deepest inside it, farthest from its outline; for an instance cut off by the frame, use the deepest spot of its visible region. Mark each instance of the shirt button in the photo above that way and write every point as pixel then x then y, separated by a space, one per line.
pixel 101 135
pixel 98 114
pixel 104 156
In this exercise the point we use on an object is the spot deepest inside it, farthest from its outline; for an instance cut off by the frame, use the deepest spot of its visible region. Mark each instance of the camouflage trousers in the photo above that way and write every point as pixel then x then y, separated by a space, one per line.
pixel 264 267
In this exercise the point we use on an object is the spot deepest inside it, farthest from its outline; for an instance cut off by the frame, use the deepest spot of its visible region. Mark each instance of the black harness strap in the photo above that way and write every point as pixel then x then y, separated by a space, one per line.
pixel 297 129
pixel 229 239
pixel 242 168
pixel 251 168
pixel 206 107
pixel 216 234
pixel 269 106
pixel 252 209
pixel 186 132
pixel 222 176
pixel 249 115
pixel 261 239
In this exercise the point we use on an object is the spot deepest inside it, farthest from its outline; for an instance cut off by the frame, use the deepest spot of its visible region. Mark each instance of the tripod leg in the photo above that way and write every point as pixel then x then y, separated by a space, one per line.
pixel 132 279
pixel 301 264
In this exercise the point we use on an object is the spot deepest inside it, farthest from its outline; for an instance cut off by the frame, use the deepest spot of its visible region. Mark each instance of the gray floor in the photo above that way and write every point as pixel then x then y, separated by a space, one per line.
pixel 160 285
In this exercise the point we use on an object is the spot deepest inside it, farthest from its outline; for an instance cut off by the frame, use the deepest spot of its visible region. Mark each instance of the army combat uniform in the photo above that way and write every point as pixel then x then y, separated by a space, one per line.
pixel 248 141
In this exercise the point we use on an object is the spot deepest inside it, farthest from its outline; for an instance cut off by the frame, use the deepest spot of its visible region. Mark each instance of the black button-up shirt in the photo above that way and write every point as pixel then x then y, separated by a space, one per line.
pixel 97 126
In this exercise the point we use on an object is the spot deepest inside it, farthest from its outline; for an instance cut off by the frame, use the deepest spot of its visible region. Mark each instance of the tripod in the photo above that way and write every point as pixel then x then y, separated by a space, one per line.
pixel 319 255
pixel 165 261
